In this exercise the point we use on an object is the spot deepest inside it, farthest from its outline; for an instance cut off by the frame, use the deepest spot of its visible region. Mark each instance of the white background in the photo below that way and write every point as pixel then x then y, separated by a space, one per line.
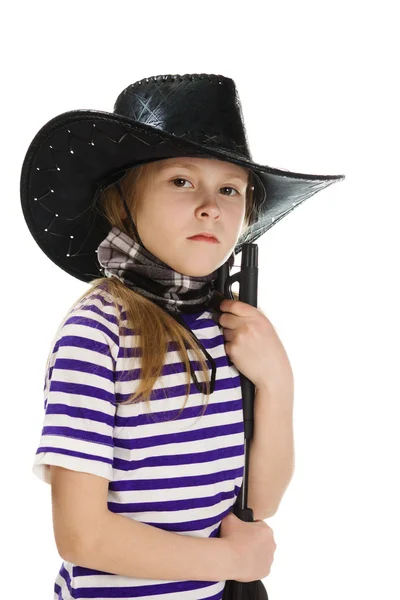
pixel 318 82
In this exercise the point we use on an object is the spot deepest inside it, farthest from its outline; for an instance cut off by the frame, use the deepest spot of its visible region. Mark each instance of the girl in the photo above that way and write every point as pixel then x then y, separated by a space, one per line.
pixel 143 478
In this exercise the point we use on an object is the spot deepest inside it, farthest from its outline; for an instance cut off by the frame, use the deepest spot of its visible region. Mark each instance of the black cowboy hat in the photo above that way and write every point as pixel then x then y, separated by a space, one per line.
pixel 75 155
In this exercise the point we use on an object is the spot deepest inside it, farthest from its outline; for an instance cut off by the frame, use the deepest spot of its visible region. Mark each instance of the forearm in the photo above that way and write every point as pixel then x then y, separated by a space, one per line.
pixel 134 549
pixel 271 451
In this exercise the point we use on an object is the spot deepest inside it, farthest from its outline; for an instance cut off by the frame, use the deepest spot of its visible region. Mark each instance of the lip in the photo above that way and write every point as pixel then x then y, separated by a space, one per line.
pixel 204 237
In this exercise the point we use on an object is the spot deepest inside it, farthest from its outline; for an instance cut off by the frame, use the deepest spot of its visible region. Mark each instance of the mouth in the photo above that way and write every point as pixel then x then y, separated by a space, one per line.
pixel 204 238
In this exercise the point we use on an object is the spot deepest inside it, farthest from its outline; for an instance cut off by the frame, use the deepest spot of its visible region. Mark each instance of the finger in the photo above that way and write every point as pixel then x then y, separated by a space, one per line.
pixel 229 321
pixel 229 335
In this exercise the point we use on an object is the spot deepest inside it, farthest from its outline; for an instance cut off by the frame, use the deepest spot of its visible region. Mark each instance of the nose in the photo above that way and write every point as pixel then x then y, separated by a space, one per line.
pixel 209 205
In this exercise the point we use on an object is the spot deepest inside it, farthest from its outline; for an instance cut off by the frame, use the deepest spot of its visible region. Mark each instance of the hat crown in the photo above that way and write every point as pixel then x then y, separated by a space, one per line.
pixel 202 108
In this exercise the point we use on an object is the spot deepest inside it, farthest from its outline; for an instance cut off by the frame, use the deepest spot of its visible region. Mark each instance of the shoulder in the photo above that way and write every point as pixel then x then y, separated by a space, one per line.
pixel 95 315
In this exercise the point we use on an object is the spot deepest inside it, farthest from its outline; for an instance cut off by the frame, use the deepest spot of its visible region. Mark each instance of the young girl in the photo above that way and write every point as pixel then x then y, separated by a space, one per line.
pixel 143 440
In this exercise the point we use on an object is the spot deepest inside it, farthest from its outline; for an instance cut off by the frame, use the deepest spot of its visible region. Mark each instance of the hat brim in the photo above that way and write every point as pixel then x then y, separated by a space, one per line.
pixel 77 151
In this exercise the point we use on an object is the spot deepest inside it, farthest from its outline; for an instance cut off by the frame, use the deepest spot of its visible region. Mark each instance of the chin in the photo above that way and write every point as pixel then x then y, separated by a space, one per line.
pixel 195 271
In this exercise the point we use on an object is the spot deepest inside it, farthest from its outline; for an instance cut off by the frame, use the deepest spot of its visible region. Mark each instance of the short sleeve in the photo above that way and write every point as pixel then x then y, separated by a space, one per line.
pixel 79 394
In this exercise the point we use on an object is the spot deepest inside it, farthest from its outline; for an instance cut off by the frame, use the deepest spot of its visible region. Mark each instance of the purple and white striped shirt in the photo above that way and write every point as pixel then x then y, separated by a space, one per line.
pixel 182 476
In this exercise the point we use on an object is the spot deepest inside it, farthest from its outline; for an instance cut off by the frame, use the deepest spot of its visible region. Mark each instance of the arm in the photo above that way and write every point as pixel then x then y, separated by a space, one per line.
pixel 131 548
pixel 271 451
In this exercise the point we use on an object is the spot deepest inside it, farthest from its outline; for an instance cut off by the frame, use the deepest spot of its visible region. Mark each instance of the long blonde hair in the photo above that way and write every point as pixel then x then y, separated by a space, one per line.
pixel 154 324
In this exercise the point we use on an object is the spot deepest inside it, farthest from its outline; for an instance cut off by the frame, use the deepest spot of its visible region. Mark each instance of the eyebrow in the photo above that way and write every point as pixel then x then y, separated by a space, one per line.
pixel 191 166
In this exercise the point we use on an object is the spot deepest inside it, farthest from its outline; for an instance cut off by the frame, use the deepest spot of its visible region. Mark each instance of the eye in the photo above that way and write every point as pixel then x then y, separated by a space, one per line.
pixel 180 179
pixel 230 188
pixel 223 188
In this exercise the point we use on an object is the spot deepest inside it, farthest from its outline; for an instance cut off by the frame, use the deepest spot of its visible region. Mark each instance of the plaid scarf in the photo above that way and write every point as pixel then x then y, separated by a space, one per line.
pixel 140 270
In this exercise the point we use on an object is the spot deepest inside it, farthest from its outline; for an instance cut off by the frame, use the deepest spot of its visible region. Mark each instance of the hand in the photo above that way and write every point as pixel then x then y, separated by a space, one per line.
pixel 254 347
pixel 252 545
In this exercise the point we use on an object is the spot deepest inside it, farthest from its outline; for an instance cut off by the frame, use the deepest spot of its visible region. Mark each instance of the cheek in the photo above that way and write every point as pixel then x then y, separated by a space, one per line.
pixel 168 222
pixel 236 217
pixel 155 213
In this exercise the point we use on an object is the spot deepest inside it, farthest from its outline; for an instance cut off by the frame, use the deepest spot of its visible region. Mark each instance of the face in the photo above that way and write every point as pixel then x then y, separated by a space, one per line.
pixel 185 196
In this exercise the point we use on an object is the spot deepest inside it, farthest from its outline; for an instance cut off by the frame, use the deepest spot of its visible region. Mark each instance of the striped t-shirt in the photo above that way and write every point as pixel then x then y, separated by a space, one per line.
pixel 181 475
